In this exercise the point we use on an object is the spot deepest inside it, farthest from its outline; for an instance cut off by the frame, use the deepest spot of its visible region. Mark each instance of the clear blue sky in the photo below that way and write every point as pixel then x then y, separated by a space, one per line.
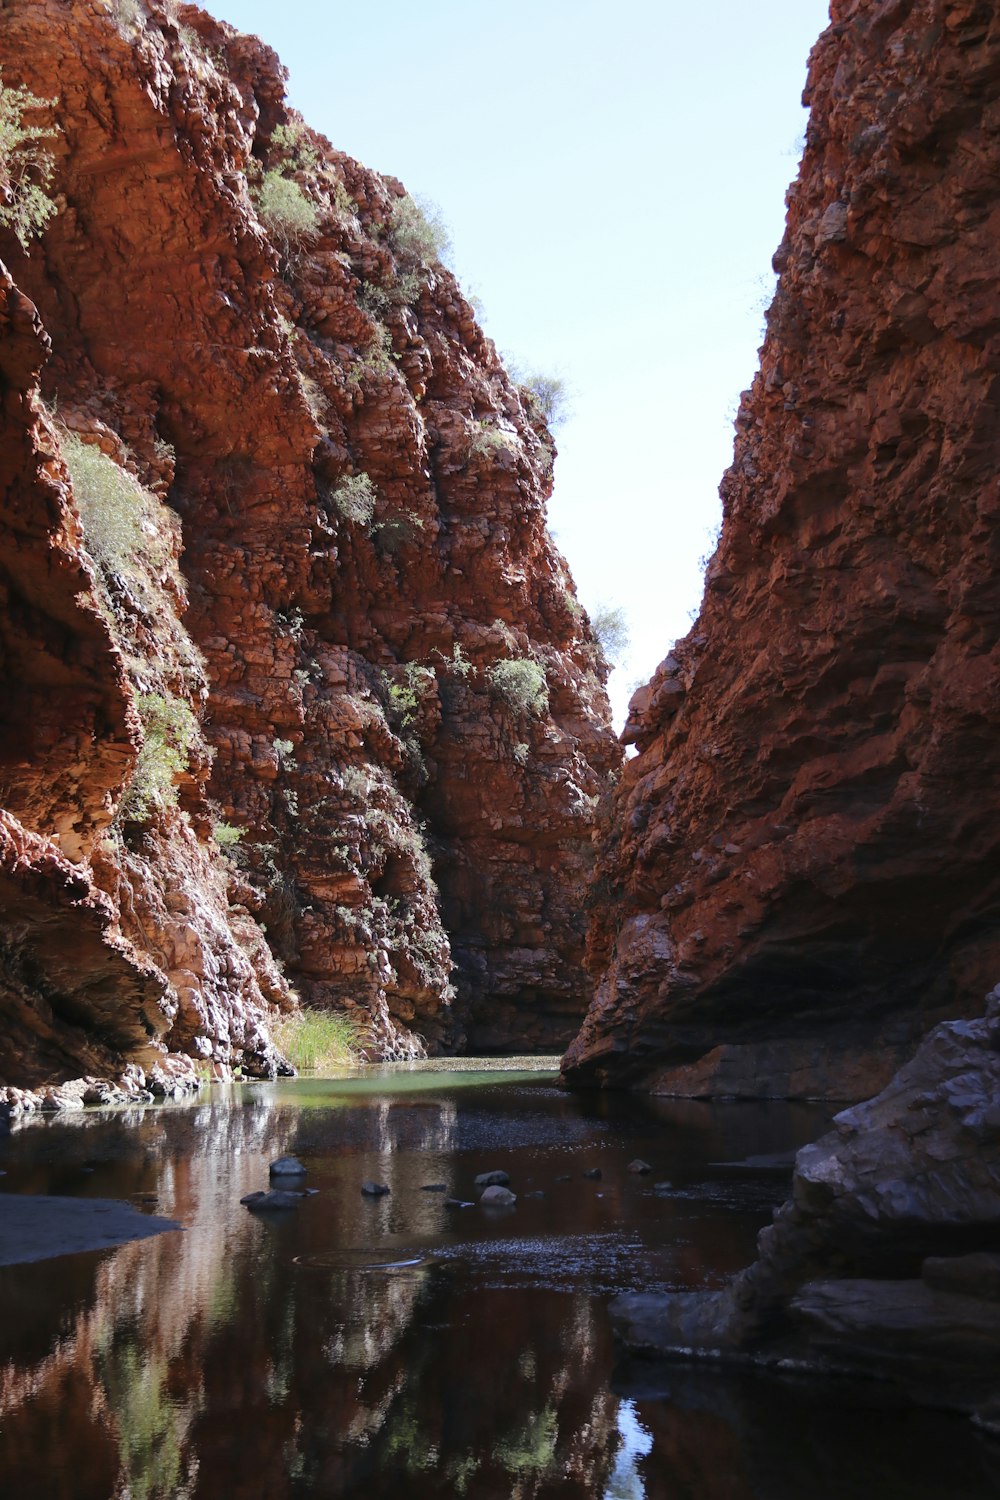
pixel 613 177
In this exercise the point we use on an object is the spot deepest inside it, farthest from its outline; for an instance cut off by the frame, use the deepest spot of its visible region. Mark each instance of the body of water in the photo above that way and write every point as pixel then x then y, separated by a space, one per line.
pixel 402 1346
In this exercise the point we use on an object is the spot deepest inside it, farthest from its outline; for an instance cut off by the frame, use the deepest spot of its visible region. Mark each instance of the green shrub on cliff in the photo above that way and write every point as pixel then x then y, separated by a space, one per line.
pixel 418 238
pixel 418 235
pixel 118 516
pixel 127 15
pixel 484 439
pixel 545 396
pixel 26 166
pixel 406 696
pixel 226 835
pixel 354 498
pixel 169 729
pixel 286 212
pixel 291 144
pixel 520 684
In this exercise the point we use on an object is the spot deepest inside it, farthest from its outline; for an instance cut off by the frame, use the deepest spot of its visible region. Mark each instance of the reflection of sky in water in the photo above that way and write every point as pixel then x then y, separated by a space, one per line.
pixel 626 1482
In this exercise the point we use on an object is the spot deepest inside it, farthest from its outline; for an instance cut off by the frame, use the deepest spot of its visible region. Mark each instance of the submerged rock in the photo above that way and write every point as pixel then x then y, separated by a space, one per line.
pixel 374 1189
pixel 639 1166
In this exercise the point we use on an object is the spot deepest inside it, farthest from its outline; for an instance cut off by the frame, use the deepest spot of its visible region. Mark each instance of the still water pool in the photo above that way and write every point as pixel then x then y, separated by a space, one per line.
pixel 397 1346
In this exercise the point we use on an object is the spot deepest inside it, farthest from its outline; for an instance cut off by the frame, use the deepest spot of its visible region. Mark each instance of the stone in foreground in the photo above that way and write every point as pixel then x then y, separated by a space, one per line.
pixel 497 1197
pixel 374 1189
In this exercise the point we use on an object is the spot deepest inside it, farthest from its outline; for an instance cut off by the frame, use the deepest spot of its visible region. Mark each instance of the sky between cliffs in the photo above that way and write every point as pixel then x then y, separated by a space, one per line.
pixel 613 177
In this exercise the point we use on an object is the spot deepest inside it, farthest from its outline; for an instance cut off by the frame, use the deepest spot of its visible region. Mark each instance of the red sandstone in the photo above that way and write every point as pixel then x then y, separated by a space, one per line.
pixel 413 847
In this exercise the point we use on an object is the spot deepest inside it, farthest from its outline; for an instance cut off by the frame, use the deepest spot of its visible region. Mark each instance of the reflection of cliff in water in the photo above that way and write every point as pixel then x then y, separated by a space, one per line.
pixel 392 1347
pixel 203 1363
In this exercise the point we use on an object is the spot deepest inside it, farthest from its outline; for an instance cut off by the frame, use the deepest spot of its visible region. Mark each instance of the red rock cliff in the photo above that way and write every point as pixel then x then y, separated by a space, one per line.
pixel 369 675
pixel 803 870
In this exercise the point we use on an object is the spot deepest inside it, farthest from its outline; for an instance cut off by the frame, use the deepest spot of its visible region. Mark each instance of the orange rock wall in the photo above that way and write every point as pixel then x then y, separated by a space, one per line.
pixel 413 843
pixel 803 866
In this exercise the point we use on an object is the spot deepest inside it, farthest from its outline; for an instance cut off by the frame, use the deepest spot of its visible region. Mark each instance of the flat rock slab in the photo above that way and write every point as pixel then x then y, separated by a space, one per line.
pixel 37 1227
pixel 273 1202
pixel 660 1323
pixel 886 1325
pixel 976 1275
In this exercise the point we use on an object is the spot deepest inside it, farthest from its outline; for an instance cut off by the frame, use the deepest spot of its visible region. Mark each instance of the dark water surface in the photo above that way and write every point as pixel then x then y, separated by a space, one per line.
pixel 397 1347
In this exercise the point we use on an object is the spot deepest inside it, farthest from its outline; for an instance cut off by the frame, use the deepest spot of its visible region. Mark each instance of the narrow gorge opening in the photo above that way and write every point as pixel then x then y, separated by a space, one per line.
pixel 313 804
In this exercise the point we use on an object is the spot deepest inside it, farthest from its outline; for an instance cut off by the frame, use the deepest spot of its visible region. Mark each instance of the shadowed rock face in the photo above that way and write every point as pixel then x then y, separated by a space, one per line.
pixel 802 867
pixel 413 835
pixel 887 1259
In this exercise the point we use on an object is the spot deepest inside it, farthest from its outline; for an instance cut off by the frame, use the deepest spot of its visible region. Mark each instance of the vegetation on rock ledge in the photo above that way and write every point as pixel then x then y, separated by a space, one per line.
pixel 317 1040
pixel 26 166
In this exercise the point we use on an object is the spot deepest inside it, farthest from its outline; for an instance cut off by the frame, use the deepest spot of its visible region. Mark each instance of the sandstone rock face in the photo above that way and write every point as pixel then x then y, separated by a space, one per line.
pixel 885 1261
pixel 237 351
pixel 802 866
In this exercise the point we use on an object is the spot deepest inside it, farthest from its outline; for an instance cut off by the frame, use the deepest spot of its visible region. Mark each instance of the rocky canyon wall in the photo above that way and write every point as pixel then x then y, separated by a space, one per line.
pixel 802 869
pixel 298 689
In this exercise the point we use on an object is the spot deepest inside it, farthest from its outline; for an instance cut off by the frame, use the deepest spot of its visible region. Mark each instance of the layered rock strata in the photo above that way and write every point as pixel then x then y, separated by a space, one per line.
pixel 802 870
pixel 886 1262
pixel 362 734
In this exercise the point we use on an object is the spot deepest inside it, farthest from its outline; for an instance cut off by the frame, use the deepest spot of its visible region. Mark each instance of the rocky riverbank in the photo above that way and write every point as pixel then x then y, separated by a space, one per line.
pixel 886 1261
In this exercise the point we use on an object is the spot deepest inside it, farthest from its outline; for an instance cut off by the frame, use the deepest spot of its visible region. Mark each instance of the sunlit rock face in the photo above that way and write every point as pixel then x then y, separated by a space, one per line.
pixel 331 629
pixel 801 869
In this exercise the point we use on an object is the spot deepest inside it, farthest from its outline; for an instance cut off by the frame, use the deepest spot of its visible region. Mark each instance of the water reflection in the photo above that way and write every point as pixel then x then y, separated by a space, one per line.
pixel 635 1442
pixel 288 1358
